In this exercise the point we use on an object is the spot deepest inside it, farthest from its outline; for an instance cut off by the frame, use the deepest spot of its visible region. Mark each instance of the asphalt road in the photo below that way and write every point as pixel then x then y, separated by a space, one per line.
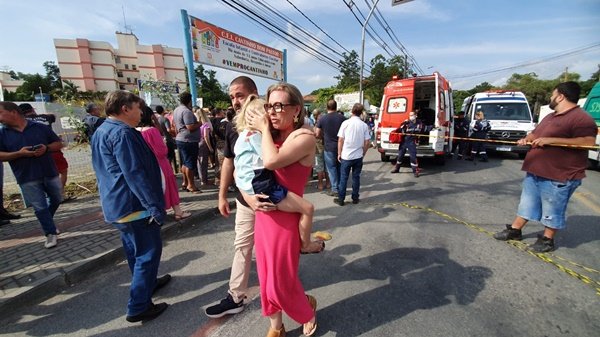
pixel 414 258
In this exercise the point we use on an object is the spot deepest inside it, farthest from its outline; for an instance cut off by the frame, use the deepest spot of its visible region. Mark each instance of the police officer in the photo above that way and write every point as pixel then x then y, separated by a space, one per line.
pixel 479 130
pixel 461 130
pixel 409 142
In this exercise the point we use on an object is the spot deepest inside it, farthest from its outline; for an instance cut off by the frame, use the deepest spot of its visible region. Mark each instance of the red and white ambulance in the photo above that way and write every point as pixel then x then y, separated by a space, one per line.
pixel 431 95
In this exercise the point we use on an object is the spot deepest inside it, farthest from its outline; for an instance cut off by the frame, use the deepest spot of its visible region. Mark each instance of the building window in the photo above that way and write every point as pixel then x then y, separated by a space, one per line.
pixel 128 79
pixel 135 80
pixel 121 87
pixel 134 67
pixel 117 59
pixel 120 73
pixel 126 66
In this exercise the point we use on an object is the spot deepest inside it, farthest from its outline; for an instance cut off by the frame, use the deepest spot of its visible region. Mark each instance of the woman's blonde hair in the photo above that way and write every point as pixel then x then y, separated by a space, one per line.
pixel 479 113
pixel 201 115
pixel 252 103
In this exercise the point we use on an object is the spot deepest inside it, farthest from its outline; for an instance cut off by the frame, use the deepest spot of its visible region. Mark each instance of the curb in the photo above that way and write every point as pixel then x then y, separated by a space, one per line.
pixel 60 281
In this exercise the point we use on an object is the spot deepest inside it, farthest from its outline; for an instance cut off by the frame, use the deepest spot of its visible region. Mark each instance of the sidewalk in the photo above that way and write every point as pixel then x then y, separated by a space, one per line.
pixel 30 273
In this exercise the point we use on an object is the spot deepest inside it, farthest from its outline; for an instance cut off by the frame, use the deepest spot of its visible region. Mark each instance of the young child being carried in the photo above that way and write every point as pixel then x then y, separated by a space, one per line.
pixel 252 178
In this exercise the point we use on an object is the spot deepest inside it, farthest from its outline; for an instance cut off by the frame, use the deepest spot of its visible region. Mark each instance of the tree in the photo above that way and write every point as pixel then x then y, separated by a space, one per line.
pixel 32 86
pixel 382 71
pixel 349 72
pixel 53 74
pixel 68 92
pixel 322 96
pixel 586 86
pixel 537 91
pixel 209 88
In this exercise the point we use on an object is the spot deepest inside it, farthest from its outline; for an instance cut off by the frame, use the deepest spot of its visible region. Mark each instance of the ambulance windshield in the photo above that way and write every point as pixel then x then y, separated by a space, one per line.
pixel 505 111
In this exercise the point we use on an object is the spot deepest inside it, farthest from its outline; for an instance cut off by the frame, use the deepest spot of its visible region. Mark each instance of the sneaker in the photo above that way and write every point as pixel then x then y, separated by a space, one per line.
pixel 153 311
pixel 509 234
pixel 338 201
pixel 50 241
pixel 227 306
pixel 542 245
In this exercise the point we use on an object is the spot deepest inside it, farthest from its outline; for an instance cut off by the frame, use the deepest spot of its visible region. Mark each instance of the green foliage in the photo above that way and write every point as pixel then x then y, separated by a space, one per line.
pixel 165 91
pixel 32 85
pixel 52 74
pixel 322 96
pixel 209 88
pixel 349 71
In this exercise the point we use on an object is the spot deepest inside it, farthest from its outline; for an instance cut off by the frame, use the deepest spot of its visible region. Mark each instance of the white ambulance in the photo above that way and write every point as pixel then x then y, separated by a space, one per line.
pixel 509 115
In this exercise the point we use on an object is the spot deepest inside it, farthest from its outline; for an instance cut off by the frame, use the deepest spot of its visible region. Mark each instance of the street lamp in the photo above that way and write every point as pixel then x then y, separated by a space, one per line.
pixel 362 53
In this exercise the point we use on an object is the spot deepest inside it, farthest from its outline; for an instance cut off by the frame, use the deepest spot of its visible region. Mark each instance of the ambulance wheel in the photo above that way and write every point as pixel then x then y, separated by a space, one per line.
pixel 385 158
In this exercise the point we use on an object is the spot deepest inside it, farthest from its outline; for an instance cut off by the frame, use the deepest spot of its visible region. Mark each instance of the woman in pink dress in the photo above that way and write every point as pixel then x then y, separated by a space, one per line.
pixel 157 144
pixel 290 153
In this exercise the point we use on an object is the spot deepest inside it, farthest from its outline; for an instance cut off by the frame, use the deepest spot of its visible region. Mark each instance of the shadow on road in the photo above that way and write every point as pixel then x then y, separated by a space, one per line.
pixel 417 279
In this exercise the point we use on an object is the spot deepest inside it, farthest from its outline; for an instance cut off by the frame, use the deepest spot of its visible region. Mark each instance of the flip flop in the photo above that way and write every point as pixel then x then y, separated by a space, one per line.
pixel 183 215
pixel 317 252
pixel 193 191
pixel 324 236
pixel 313 303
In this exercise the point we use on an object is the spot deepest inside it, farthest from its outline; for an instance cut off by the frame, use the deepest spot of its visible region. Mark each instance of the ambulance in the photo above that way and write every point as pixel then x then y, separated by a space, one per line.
pixel 431 95
pixel 509 115
pixel 592 106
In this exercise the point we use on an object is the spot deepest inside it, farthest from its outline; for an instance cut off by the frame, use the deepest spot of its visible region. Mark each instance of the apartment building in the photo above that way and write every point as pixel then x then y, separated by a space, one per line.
pixel 97 66
pixel 7 83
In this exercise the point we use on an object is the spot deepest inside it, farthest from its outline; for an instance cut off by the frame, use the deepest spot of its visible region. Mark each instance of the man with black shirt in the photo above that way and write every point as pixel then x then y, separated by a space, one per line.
pixel 327 128
pixel 240 88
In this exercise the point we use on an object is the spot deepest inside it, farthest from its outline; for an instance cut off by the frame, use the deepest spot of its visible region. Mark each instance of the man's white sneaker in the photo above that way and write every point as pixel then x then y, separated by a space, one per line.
pixel 50 241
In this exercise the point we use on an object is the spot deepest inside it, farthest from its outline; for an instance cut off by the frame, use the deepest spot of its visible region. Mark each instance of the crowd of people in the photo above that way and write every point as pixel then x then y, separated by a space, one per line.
pixel 267 148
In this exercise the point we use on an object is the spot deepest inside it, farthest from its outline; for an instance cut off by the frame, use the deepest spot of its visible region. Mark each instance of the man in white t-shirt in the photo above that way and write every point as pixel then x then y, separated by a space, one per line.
pixel 353 143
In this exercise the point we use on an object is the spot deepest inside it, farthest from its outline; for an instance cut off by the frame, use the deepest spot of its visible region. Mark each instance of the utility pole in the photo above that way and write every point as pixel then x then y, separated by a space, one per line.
pixel 362 52
pixel 566 74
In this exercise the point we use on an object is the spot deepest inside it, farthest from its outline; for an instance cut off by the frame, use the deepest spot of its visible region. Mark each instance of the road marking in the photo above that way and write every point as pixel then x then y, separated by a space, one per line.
pixel 546 257
pixel 586 199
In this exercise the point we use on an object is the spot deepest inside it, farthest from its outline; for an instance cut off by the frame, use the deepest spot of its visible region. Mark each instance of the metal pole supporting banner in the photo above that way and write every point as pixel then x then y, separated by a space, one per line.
pixel 362 52
pixel 189 56
pixel 285 65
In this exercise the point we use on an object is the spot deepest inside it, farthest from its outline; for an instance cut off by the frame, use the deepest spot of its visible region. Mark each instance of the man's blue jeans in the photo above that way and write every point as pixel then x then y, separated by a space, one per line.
pixel 356 166
pixel 143 248
pixel 333 169
pixel 44 196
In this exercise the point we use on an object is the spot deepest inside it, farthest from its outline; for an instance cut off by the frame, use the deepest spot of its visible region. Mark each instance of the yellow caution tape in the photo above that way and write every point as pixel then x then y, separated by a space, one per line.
pixel 580 147
pixel 549 258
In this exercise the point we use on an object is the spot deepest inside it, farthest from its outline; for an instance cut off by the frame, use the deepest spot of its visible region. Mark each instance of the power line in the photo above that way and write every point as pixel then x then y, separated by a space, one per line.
pixel 395 39
pixel 242 9
pixel 311 21
pixel 570 52
pixel 296 28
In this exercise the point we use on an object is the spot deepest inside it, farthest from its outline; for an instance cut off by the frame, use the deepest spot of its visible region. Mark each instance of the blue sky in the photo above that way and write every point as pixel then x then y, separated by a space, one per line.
pixel 456 38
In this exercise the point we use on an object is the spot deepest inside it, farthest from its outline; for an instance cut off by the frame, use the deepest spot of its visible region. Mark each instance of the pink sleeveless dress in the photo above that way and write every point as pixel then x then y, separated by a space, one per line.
pixel 277 247
pixel 157 145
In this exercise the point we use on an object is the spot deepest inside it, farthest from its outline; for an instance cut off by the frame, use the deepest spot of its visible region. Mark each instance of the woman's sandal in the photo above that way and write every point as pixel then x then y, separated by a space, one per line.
pixel 309 328
pixel 194 191
pixel 276 333
pixel 183 215
pixel 314 252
